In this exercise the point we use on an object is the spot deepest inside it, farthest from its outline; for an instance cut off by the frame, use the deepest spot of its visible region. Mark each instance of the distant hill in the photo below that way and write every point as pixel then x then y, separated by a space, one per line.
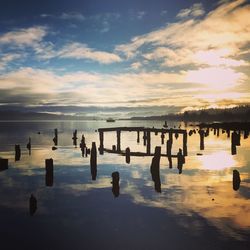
pixel 240 113
pixel 17 115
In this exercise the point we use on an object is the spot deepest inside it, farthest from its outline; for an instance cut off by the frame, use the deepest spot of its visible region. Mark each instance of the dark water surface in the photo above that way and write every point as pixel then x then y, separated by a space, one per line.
pixel 198 209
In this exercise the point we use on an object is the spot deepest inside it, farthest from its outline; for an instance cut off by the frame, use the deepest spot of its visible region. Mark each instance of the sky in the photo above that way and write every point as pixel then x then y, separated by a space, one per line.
pixel 127 58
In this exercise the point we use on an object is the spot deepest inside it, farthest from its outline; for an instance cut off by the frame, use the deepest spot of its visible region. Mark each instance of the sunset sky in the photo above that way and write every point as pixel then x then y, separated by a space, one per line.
pixel 128 57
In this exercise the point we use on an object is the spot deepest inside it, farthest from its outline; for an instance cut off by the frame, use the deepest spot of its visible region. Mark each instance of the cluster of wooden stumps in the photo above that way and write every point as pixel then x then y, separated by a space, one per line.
pixel 155 164
pixel 146 140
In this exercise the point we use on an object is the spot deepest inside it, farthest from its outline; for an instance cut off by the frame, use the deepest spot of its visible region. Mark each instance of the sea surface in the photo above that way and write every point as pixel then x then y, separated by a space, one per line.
pixel 197 209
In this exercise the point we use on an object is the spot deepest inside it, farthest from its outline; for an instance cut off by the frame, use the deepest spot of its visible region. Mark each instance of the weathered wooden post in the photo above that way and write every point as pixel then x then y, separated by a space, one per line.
pixel 74 138
pixel 101 137
pixel 138 136
pixel 29 146
pixel 115 183
pixel 169 147
pixel 170 162
pixel 93 161
pixel 185 143
pixel 83 145
pixel 49 176
pixel 118 134
pixel 4 164
pixel 17 152
pixel 55 139
pixel 127 153
pixel 233 143
pixel 236 180
pixel 170 134
pixel 180 160
pixel 202 146
pixel 144 138
pixel 155 169
pixel 32 205
pixel 218 132
pixel 162 138
pixel 148 142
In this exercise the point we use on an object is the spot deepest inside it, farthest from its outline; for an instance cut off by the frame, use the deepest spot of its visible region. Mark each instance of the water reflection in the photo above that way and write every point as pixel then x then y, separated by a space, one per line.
pixel 209 188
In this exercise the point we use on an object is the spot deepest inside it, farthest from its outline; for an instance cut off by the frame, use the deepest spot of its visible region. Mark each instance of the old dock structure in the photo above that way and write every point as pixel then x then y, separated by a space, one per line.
pixel 146 138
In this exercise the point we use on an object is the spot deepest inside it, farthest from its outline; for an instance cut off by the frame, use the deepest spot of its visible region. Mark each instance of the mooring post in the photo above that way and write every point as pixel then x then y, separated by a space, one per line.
pixel 155 169
pixel 138 136
pixel 162 138
pixel 148 142
pixel 202 134
pixel 3 164
pixel 101 137
pixel 93 161
pixel 185 143
pixel 127 153
pixel 55 139
pixel 118 134
pixel 169 147
pixel 170 137
pixel 144 138
pixel 49 176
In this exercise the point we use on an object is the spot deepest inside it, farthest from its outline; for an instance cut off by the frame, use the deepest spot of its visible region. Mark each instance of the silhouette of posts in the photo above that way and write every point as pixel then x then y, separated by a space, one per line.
pixel 83 145
pixel 148 142
pixel 171 137
pixel 93 161
pixel 32 205
pixel 246 134
pixel 180 161
pixel 74 138
pixel 138 136
pixel 115 184
pixel 185 143
pixel 169 147
pixel 127 153
pixel 144 138
pixel 235 141
pixel 101 137
pixel 118 135
pixel 162 138
pixel 202 135
pixel 17 152
pixel 49 175
pixel 3 164
pixel 29 146
pixel 155 169
pixel 236 180
pixel 55 139
pixel 218 132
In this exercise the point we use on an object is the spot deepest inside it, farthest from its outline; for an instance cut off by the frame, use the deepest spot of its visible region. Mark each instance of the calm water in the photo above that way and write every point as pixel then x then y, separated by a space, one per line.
pixel 197 209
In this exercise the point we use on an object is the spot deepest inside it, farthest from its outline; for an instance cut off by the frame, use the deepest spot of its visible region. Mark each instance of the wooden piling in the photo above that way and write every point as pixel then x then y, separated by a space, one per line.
pixel 93 161
pixel 127 153
pixel 49 175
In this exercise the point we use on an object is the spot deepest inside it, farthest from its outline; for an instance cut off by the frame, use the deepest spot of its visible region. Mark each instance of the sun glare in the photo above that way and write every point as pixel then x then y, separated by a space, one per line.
pixel 215 78
pixel 217 161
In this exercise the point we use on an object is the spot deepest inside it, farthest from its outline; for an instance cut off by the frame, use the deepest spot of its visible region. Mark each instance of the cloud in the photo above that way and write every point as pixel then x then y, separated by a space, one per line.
pixel 72 16
pixel 82 51
pixel 40 87
pixel 226 27
pixel 141 14
pixel 5 59
pixel 195 10
pixel 24 37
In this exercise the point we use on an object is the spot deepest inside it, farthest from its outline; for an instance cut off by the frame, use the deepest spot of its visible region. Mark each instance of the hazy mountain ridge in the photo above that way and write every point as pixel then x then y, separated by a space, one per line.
pixel 239 113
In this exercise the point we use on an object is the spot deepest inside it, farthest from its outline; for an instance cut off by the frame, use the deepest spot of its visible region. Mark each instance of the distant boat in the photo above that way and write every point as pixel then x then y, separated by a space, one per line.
pixel 165 125
pixel 110 120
